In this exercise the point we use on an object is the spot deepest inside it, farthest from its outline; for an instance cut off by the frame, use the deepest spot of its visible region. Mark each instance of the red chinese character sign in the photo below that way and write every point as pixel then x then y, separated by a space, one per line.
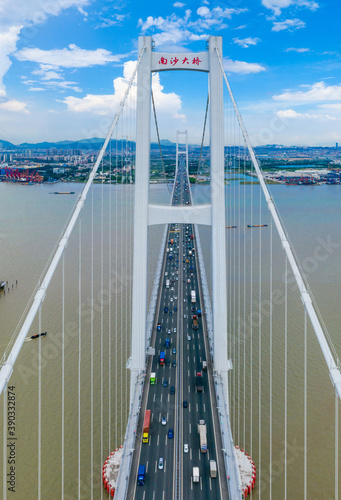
pixel 197 61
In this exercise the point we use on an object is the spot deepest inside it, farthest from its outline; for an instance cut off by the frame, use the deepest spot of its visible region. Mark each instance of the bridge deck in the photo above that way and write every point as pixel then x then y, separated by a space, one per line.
pixel 175 479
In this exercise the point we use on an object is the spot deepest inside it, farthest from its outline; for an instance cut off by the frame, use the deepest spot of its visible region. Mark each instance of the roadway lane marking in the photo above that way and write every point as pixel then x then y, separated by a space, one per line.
pixel 154 398
pixel 204 407
pixel 144 495
pixel 197 407
pixel 189 388
pixel 157 442
pixel 155 467
pixel 190 454
pixel 168 398
pixel 147 466
pixel 188 373
pixel 200 484
pixel 189 407
pixel 153 495
pixel 208 454
pixel 166 441
pixel 161 398
pixel 199 454
pixel 190 428
pixel 165 466
pixel 210 483
pixel 149 440
pixel 188 359
pixel 191 482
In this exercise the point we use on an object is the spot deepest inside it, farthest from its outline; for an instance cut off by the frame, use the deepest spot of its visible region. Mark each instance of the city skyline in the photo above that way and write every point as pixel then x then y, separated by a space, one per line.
pixel 64 67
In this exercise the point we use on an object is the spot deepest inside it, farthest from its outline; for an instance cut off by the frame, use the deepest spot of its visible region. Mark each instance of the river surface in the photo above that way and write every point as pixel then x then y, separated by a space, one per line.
pixel 31 220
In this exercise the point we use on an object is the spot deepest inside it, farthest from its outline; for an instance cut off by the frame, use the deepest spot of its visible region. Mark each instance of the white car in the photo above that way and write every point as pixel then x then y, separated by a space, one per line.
pixel 160 463
pixel 164 421
pixel 174 330
pixel 185 448
pixel 171 299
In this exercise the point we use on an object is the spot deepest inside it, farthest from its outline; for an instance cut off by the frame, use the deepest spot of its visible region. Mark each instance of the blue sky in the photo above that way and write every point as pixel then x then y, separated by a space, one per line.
pixel 64 66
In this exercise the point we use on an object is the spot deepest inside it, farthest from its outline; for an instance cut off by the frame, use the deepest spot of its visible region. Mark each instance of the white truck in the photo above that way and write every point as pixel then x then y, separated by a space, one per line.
pixel 193 296
pixel 202 436
pixel 196 475
pixel 167 283
pixel 213 468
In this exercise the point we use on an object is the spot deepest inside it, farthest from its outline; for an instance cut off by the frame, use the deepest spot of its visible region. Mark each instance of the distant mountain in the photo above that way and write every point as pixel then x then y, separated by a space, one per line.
pixel 7 145
pixel 93 143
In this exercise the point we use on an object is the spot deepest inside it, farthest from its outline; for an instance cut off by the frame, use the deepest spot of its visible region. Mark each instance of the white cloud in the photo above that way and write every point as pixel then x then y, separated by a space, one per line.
pixel 71 57
pixel 62 85
pixel 16 16
pixel 277 5
pixel 288 113
pixel 8 40
pixel 178 5
pixel 293 49
pixel 242 67
pixel 36 89
pixel 175 30
pixel 166 103
pixel 317 92
pixel 14 106
pixel 246 42
pixel 288 24
pixel 218 12
pixel 332 107
pixel 110 20
pixel 291 114
pixel 46 72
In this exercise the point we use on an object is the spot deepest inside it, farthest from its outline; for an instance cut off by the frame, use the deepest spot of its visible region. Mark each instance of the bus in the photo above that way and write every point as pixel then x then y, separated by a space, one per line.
pixel 152 378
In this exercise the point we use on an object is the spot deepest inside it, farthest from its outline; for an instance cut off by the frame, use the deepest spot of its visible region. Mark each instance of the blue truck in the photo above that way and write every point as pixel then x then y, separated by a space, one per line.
pixel 141 475
pixel 167 343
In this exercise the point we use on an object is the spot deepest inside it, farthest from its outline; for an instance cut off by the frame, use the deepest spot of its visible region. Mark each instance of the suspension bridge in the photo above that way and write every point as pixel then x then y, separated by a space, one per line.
pixel 180 326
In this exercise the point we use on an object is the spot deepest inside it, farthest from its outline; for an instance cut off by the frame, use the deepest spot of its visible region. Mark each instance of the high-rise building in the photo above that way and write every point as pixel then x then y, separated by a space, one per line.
pixel 337 145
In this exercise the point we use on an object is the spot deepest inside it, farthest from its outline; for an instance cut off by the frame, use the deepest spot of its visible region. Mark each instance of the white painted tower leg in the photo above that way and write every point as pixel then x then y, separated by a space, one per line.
pixel 140 267
pixel 219 295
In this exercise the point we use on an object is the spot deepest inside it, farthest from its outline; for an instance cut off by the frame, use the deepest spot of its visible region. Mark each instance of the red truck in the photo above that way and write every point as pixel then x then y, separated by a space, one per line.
pixel 146 426
pixel 199 382
pixel 195 322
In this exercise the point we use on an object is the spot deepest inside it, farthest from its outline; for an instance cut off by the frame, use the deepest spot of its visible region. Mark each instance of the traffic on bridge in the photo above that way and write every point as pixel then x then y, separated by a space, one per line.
pixel 176 446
